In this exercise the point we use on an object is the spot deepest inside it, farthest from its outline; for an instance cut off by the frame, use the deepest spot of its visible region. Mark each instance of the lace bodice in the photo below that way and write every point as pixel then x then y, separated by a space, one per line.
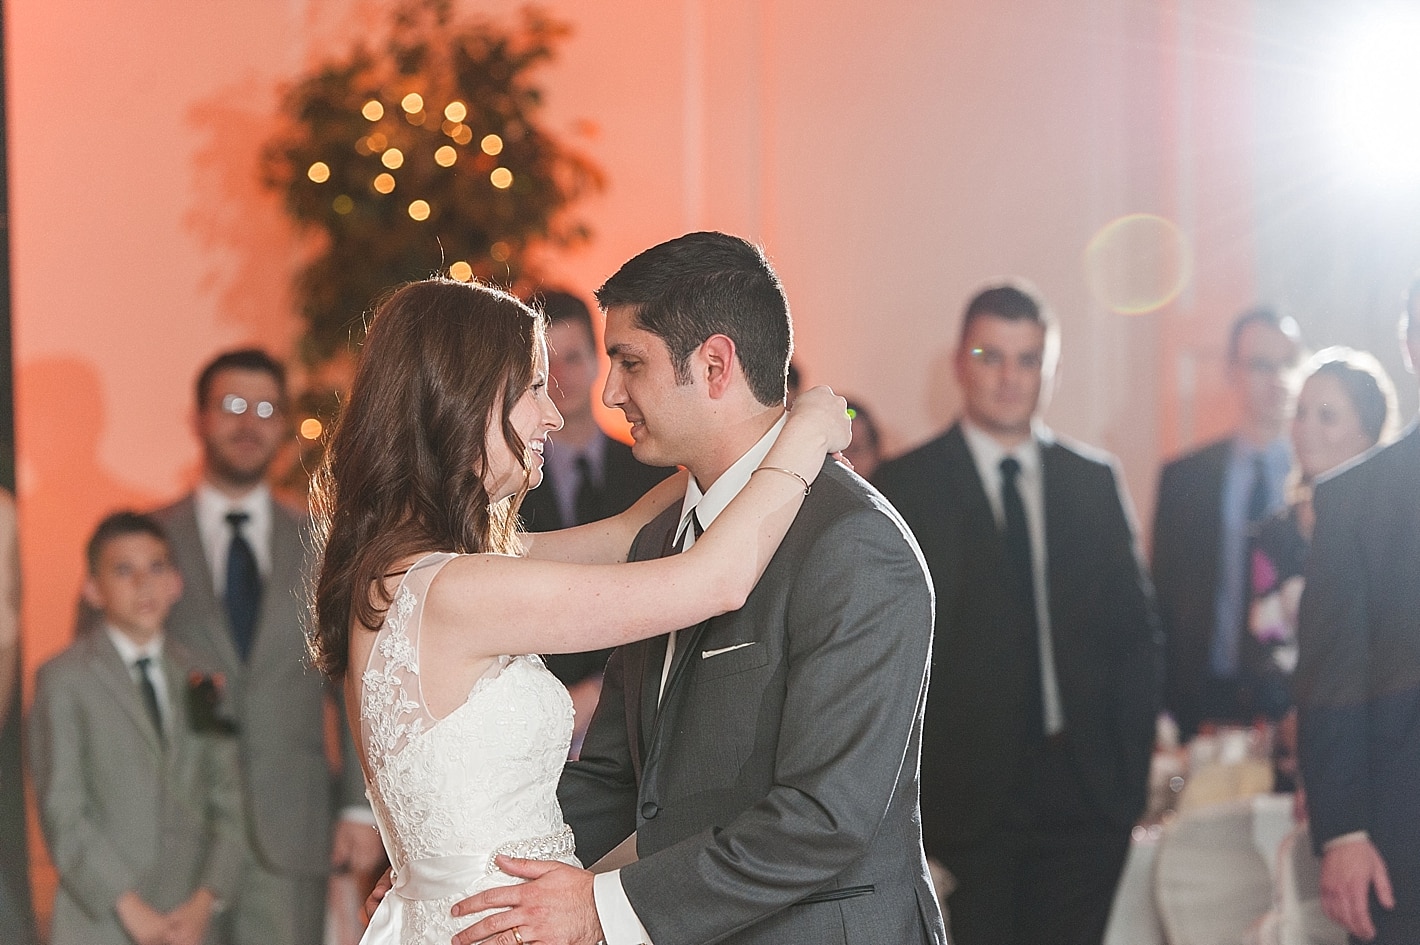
pixel 448 794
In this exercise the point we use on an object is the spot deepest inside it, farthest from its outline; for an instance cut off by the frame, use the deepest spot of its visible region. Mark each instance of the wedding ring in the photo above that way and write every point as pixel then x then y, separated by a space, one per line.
pixel 517 936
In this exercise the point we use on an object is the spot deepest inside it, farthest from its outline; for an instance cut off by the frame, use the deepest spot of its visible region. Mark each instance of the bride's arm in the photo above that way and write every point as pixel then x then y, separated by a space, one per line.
pixel 497 604
pixel 606 541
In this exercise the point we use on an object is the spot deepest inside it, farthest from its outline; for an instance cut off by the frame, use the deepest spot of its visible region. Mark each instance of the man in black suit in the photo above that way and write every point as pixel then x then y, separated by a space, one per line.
pixel 1208 502
pixel 1040 718
pixel 1358 685
pixel 586 475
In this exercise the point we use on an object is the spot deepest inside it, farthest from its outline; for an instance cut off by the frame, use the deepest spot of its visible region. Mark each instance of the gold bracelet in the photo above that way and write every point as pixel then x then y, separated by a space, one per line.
pixel 788 472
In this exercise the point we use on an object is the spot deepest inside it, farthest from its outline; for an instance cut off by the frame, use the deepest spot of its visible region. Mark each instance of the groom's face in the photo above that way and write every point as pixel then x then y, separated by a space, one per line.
pixel 663 413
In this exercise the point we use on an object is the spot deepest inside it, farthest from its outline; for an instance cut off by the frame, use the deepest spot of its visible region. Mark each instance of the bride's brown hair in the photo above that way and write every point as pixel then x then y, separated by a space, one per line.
pixel 403 472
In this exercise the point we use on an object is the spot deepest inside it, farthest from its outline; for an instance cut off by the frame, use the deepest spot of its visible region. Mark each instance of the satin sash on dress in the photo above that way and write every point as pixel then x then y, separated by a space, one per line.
pixel 433 878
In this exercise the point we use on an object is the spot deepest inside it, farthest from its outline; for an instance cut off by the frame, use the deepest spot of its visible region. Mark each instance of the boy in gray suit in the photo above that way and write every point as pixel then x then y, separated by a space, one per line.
pixel 138 795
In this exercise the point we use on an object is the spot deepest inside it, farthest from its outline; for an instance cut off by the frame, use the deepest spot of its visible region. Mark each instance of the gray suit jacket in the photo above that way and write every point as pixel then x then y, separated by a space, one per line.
pixel 121 809
pixel 277 699
pixel 775 792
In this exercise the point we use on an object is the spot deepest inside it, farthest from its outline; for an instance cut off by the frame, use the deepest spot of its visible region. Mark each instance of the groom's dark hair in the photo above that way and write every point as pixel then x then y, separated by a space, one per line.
pixel 704 284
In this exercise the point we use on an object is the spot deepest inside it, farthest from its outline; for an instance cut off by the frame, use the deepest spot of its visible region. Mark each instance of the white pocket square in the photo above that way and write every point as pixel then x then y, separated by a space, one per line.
pixel 706 654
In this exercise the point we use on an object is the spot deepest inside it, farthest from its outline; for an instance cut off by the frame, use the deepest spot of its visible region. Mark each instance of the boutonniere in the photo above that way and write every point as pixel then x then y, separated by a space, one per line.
pixel 204 695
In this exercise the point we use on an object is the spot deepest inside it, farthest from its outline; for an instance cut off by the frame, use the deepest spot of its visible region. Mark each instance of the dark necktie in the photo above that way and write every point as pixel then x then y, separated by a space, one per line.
pixel 149 693
pixel 1022 577
pixel 1258 499
pixel 587 503
pixel 243 586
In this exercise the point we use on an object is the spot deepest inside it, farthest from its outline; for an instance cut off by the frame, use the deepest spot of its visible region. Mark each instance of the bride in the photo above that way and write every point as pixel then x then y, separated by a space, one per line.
pixel 432 597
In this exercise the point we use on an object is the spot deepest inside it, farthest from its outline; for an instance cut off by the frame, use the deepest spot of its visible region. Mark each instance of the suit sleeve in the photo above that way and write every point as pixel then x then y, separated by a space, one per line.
pixel 351 786
pixel 225 845
pixel 859 640
pixel 1167 527
pixel 1138 670
pixel 598 791
pixel 89 865
pixel 1331 679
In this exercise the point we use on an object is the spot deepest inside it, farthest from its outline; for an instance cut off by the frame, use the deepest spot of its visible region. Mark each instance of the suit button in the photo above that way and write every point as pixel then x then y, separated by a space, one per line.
pixel 649 810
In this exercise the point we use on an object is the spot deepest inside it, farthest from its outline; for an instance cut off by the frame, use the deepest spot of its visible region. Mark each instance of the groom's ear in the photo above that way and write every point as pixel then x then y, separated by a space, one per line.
pixel 719 363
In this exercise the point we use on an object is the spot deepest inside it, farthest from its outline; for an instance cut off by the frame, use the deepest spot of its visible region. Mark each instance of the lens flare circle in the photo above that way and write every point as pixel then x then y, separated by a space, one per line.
pixel 1137 263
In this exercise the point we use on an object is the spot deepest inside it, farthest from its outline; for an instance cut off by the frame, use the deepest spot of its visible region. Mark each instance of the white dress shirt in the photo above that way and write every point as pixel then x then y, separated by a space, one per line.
pixel 212 508
pixel 987 454
pixel 131 652
pixel 620 924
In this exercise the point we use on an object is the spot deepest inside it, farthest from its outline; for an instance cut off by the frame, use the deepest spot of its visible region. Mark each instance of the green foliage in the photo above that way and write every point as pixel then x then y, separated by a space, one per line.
pixel 327 160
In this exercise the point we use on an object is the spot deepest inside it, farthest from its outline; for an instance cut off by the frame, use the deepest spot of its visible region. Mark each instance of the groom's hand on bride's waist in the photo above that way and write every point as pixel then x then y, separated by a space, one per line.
pixel 554 907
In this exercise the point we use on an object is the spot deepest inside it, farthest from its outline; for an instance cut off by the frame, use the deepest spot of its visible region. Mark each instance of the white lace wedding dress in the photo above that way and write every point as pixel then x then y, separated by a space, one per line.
pixel 450 793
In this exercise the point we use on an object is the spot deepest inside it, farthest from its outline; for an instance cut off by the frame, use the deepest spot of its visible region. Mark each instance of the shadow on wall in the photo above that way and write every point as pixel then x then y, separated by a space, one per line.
pixel 64 491
pixel 251 250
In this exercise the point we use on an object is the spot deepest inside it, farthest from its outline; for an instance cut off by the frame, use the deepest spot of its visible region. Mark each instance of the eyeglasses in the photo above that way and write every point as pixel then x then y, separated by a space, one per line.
pixel 236 406
pixel 993 358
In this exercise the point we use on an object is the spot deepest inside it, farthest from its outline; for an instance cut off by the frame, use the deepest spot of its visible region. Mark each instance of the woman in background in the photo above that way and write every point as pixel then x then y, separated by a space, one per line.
pixel 1345 407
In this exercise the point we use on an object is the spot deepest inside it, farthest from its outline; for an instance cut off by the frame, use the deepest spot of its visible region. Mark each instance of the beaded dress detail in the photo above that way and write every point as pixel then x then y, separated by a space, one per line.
pixel 451 793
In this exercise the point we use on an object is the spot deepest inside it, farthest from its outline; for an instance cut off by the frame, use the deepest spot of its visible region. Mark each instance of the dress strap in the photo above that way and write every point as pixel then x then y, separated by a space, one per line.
pixel 392 708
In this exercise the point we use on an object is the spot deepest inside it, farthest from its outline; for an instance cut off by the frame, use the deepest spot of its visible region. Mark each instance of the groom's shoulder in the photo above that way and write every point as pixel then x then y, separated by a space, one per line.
pixel 851 507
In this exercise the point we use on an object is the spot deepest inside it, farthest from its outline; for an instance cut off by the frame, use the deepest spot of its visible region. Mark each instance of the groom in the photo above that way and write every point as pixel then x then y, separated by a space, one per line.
pixel 766 759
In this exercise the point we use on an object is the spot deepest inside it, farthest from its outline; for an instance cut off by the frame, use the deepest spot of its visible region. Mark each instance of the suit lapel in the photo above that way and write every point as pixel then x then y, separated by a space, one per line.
pixel 652 654
pixel 978 519
pixel 285 560
pixel 196 570
pixel 176 673
pixel 108 666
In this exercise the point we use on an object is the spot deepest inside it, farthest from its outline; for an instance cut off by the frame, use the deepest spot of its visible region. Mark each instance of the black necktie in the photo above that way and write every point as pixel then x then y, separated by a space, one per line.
pixel 243 586
pixel 1259 499
pixel 149 693
pixel 587 503
pixel 1018 557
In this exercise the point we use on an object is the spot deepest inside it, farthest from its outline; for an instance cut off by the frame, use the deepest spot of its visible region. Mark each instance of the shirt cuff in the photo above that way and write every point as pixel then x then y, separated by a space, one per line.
pixel 620 925
pixel 1351 837
pixel 357 814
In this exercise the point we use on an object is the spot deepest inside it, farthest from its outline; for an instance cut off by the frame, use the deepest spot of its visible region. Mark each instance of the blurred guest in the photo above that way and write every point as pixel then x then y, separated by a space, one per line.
pixel 1208 502
pixel 9 607
pixel 1345 405
pixel 1358 685
pixel 794 382
pixel 138 799
pixel 587 475
pixel 1044 682
pixel 866 450
pixel 15 920
pixel 242 556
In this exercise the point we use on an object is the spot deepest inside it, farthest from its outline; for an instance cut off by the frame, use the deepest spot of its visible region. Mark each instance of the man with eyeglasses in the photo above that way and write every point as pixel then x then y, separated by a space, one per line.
pixel 1209 502
pixel 243 559
pixel 1040 717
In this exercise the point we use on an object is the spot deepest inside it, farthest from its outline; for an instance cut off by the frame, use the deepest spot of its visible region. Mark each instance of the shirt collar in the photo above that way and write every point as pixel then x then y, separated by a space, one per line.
pixel 710 503
pixel 129 651
pixel 988 453
pixel 212 504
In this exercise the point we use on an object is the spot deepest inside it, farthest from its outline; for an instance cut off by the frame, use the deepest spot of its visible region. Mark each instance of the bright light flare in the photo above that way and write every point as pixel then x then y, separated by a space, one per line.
pixel 1377 97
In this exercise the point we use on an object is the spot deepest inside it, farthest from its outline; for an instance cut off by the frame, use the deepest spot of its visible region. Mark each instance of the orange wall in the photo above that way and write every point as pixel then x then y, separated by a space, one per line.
pixel 892 157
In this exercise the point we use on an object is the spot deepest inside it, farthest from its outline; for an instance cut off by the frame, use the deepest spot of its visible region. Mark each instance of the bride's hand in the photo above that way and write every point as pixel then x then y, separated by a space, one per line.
pixel 820 410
